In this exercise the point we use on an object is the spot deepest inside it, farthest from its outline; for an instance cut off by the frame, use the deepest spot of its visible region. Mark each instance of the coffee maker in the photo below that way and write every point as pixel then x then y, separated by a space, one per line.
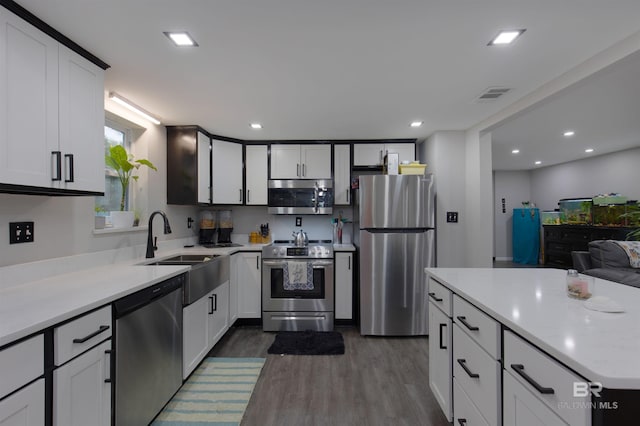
pixel 207 231
pixel 225 226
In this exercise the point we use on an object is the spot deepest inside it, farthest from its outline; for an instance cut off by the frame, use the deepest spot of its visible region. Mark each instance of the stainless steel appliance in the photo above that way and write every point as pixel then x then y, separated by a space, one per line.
pixel 297 286
pixel 148 351
pixel 396 242
pixel 298 196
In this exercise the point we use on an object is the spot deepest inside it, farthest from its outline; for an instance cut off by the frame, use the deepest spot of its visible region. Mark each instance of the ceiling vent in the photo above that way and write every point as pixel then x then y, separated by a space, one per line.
pixel 492 94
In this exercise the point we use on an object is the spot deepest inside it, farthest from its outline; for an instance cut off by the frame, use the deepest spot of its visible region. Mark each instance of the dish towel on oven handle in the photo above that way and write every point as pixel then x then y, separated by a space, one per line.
pixel 297 276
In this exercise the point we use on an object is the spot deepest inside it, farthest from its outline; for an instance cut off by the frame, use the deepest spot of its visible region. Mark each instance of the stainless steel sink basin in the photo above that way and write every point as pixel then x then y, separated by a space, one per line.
pixel 186 259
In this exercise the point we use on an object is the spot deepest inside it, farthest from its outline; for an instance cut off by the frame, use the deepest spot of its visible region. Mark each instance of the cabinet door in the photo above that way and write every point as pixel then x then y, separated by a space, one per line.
pixel 406 151
pixel 342 175
pixel 218 312
pixel 233 288
pixel 440 363
pixel 316 161
pixel 28 103
pixel 285 161
pixel 249 288
pixel 82 389
pixel 227 172
pixel 25 407
pixel 195 334
pixel 257 175
pixel 368 154
pixel 522 408
pixel 81 109
pixel 204 168
pixel 344 285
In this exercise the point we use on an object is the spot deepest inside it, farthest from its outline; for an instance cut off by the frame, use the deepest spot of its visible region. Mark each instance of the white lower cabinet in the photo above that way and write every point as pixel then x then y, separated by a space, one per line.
pixel 466 413
pixel 344 285
pixel 25 407
pixel 82 389
pixel 440 361
pixel 522 408
pixel 204 322
pixel 249 275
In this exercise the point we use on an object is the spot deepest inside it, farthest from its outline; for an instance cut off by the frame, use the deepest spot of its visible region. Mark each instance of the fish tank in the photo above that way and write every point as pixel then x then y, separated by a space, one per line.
pixel 610 215
pixel 550 217
pixel 576 211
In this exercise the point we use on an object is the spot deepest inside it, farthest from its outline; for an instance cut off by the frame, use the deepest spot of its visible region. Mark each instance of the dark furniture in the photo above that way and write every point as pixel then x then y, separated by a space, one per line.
pixel 607 260
pixel 561 240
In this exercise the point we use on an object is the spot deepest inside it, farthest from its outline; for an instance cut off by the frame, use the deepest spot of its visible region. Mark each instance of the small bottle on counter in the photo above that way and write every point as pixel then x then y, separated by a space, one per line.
pixel 578 286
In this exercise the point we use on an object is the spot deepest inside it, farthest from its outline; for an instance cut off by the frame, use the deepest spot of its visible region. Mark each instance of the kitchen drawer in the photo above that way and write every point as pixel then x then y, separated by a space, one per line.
pixel 521 407
pixel 75 337
pixel 466 413
pixel 440 296
pixel 547 379
pixel 20 364
pixel 478 325
pixel 478 375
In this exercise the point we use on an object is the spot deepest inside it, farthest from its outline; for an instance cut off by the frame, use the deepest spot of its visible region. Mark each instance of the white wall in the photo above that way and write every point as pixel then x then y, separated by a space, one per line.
pixel 514 187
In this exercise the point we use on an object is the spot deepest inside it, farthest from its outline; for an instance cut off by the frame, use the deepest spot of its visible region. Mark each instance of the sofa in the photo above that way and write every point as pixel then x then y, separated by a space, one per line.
pixel 608 259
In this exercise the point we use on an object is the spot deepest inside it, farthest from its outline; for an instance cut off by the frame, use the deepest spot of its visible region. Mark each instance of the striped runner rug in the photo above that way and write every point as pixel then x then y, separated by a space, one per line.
pixel 217 393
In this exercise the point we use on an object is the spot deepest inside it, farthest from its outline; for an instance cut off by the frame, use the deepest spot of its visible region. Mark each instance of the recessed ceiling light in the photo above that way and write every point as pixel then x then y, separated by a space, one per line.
pixel 569 133
pixel 506 37
pixel 181 38
pixel 256 126
pixel 588 150
pixel 416 124
pixel 537 163
pixel 515 151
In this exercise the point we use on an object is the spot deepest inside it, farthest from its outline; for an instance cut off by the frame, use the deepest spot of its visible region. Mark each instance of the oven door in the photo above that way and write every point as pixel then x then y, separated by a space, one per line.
pixel 277 295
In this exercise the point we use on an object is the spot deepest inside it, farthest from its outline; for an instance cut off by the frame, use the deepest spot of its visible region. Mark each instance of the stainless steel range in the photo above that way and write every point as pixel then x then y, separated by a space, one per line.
pixel 297 286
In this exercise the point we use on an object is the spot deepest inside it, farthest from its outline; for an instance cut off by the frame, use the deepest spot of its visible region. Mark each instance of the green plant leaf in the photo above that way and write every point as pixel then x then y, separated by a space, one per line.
pixel 147 163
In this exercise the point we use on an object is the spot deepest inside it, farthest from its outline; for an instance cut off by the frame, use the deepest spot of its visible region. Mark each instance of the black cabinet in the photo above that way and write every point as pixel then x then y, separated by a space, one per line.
pixel 188 166
pixel 561 240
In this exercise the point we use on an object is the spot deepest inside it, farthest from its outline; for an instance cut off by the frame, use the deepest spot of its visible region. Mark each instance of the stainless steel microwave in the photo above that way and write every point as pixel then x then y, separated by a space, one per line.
pixel 296 196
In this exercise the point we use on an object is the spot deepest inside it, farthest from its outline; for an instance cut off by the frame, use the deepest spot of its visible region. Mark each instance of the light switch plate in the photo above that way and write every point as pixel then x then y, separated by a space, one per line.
pixel 452 217
pixel 20 232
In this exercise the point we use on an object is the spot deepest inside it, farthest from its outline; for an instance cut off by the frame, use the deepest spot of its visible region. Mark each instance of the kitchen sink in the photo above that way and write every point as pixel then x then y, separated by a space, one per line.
pixel 185 259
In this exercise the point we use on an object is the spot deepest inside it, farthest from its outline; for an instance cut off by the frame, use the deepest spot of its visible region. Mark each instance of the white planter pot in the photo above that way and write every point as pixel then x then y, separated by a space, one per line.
pixel 122 219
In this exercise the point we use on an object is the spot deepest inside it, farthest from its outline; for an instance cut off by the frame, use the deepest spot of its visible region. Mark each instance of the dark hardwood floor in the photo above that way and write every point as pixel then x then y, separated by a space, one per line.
pixel 378 381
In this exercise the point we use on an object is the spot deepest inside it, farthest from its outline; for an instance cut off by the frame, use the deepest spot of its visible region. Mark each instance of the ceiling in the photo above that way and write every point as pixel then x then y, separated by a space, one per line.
pixel 341 69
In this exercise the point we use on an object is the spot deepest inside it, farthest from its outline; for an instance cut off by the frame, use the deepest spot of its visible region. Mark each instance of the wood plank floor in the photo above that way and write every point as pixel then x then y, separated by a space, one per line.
pixel 378 381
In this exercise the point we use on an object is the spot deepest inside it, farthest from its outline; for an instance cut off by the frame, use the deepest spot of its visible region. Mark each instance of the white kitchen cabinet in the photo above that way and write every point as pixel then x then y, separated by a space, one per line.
pixel 249 274
pixel 290 161
pixel 227 172
pixel 342 174
pixel 522 408
pixel 219 312
pixel 203 153
pixel 440 358
pixel 52 116
pixel 372 154
pixel 25 407
pixel 257 175
pixel 82 389
pixel 344 285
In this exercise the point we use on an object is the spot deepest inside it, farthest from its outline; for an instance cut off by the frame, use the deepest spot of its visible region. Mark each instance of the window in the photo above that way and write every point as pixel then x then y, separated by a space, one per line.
pixel 114 134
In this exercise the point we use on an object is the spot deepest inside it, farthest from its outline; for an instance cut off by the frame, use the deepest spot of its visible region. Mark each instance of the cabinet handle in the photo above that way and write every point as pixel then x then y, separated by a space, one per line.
pixel 349 263
pixel 519 368
pixel 240 194
pixel 107 353
pixel 69 157
pixel 462 422
pixel 258 262
pixel 348 194
pixel 210 305
pixel 463 364
pixel 56 157
pixel 298 169
pixel 442 346
pixel 466 324
pixel 248 195
pixel 433 296
pixel 102 329
pixel 304 170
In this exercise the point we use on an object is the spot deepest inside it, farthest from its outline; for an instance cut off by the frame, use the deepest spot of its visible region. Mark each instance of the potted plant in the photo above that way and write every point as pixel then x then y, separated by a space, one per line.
pixel 125 166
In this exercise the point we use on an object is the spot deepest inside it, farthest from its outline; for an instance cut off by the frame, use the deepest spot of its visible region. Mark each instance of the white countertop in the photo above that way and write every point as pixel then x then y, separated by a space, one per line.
pixel 603 347
pixel 33 306
pixel 344 247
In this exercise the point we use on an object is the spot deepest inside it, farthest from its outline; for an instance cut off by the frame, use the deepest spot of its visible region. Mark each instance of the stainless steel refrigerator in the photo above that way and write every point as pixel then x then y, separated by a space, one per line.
pixel 396 242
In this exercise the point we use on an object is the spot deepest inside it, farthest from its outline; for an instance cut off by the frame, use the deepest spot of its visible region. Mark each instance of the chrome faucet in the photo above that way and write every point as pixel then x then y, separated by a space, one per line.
pixel 152 243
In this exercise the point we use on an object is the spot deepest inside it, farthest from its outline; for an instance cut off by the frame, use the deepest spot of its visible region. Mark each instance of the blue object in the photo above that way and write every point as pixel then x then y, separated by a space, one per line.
pixel 526 235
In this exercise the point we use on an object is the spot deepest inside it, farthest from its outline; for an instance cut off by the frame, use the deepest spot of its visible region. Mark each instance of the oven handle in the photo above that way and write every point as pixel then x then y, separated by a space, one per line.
pixel 314 263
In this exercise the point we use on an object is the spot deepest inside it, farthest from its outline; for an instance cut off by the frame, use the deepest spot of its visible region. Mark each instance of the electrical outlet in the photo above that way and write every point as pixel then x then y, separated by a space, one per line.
pixel 298 221
pixel 452 217
pixel 20 232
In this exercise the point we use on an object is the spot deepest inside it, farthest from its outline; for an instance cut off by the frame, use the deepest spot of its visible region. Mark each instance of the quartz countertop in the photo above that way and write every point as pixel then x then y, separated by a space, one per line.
pixel 344 247
pixel 603 347
pixel 35 305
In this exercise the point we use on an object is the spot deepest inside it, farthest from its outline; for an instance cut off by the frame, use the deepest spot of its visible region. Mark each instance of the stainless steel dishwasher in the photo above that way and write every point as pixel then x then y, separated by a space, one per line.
pixel 148 351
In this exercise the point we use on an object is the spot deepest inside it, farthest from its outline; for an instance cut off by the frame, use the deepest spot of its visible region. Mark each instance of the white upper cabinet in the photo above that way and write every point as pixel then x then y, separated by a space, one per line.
pixel 300 161
pixel 204 168
pixel 227 172
pixel 342 174
pixel 51 112
pixel 257 175
pixel 372 154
